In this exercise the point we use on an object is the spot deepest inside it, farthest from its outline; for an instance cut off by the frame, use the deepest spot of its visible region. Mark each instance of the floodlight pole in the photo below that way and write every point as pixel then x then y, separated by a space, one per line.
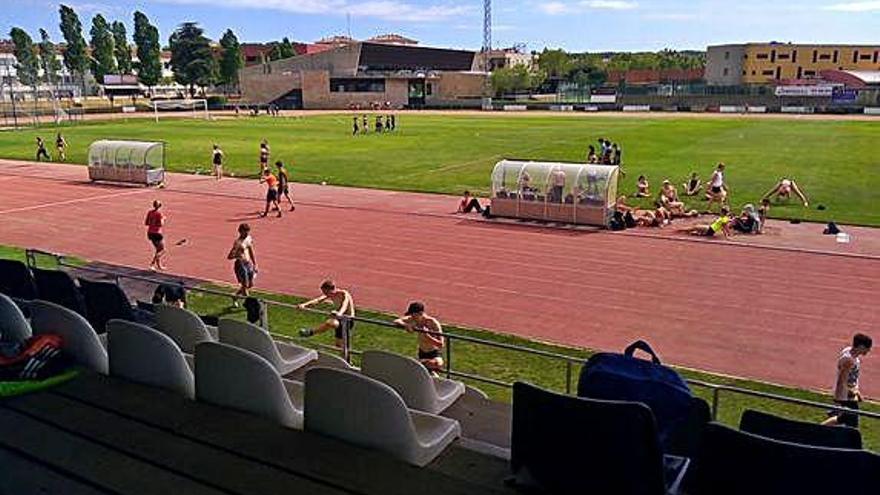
pixel 487 48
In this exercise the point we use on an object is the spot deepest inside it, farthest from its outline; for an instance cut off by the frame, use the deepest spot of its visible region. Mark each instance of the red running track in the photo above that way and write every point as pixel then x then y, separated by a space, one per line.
pixel 779 315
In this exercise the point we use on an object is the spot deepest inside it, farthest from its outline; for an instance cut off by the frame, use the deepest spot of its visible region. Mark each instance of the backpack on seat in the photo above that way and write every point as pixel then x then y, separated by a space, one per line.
pixel 37 358
pixel 622 377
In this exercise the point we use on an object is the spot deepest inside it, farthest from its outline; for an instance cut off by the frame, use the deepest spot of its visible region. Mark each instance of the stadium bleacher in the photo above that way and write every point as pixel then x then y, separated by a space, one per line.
pixel 176 407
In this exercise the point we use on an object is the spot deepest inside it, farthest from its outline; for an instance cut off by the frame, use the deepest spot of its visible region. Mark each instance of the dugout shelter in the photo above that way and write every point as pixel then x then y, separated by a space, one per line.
pixel 576 193
pixel 136 162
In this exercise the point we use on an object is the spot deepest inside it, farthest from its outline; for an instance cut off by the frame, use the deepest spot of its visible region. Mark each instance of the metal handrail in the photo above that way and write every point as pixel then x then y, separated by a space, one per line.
pixel 570 361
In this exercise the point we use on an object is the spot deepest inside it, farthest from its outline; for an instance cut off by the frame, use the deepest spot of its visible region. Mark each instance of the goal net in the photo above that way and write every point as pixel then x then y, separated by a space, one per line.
pixel 198 108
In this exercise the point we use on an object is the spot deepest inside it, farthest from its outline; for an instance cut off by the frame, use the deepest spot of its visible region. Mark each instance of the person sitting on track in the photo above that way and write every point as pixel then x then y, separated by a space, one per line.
pixel 469 203
pixel 343 306
pixel 721 224
pixel 271 192
pixel 643 188
pixel 693 186
pixel 783 189
pixel 416 320
pixel 747 222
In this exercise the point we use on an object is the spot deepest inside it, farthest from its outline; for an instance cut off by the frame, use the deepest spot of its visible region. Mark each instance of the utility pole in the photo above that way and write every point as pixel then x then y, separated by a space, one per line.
pixel 487 48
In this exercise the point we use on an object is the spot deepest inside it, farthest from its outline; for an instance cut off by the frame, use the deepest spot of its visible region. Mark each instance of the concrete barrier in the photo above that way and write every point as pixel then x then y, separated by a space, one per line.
pixel 129 109
pixel 562 108
pixel 761 109
pixel 872 110
pixel 731 109
pixel 797 109
pixel 591 108
pixel 515 108
pixel 637 108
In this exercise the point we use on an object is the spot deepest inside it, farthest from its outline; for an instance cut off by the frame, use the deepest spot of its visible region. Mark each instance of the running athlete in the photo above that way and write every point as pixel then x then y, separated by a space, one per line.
pixel 264 156
pixel 155 221
pixel 61 147
pixel 283 184
pixel 271 192
pixel 41 150
pixel 343 306
pixel 217 161
pixel 430 344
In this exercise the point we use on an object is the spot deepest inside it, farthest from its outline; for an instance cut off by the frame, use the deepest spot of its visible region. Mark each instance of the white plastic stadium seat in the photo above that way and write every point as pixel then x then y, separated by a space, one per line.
pixel 412 381
pixel 231 377
pixel 81 342
pixel 285 357
pixel 141 354
pixel 14 327
pixel 183 326
pixel 363 411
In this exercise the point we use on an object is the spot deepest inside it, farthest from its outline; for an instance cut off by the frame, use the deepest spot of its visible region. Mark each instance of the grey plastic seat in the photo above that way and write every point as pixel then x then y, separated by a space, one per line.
pixel 81 343
pixel 366 412
pixel 412 381
pixel 184 327
pixel 228 376
pixel 285 357
pixel 14 327
pixel 144 355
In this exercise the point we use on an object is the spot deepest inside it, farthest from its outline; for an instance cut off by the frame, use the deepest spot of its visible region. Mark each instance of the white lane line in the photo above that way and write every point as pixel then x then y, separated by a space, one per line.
pixel 74 201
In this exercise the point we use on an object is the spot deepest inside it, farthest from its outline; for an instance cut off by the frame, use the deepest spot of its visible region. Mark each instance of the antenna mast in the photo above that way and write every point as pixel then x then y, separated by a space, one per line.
pixel 487 48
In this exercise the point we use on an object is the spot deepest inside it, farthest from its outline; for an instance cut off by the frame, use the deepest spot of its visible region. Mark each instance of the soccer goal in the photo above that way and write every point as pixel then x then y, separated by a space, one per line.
pixel 198 107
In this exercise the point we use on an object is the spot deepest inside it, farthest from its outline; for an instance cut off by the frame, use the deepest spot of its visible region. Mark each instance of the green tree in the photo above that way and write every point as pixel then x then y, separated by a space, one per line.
pixel 103 59
pixel 27 66
pixel 555 63
pixel 48 58
pixel 516 79
pixel 121 49
pixel 75 57
pixel 231 61
pixel 192 60
pixel 146 40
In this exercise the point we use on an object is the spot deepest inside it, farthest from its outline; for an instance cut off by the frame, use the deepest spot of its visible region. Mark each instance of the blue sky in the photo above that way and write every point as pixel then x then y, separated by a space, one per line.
pixel 576 25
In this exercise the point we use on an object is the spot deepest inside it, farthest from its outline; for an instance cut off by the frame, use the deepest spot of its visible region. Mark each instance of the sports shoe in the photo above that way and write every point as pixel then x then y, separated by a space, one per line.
pixel 306 332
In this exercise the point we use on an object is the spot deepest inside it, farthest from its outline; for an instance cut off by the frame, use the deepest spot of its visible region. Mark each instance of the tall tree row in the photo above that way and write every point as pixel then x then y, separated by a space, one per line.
pixel 75 56
pixel 49 62
pixel 27 65
pixel 103 53
pixel 192 60
pixel 146 40
pixel 121 50
pixel 231 61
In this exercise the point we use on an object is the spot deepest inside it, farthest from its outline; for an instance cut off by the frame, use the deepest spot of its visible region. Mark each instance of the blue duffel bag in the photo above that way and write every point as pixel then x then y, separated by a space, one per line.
pixel 611 376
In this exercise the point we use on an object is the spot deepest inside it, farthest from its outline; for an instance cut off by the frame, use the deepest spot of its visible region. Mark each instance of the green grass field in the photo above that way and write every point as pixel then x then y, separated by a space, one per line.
pixel 502 364
pixel 836 162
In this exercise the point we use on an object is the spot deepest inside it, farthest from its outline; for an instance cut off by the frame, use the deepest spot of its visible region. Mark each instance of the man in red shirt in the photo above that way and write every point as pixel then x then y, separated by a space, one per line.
pixel 155 221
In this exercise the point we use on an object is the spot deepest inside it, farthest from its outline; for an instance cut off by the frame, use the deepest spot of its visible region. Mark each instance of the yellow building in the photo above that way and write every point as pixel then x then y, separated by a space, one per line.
pixel 763 63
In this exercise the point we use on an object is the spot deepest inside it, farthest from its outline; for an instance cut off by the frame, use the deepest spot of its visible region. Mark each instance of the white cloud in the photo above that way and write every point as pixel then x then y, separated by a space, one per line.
pixel 855 7
pixel 558 8
pixel 554 8
pixel 609 4
pixel 392 10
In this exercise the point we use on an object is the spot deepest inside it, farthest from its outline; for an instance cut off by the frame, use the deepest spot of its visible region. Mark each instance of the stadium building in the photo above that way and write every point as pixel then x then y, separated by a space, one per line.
pixel 765 63
pixel 366 74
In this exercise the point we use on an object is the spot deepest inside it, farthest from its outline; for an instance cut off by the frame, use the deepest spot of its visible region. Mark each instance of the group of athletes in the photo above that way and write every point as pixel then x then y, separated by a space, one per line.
pixel 361 125
pixel 60 149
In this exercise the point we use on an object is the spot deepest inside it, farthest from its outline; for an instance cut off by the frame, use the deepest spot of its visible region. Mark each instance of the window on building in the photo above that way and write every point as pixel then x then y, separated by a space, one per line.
pixel 725 72
pixel 773 55
pixel 357 85
pixel 836 55
pixel 726 55
pixel 865 56
pixel 815 54
pixel 754 72
pixel 778 72
pixel 768 72
pixel 794 56
pixel 825 56
pixel 762 56
pixel 809 73
pixel 784 56
pixel 876 55
pixel 855 56
pixel 429 89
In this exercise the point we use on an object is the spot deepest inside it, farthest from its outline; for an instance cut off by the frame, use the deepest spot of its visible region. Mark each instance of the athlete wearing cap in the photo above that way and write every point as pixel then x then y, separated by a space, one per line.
pixel 430 344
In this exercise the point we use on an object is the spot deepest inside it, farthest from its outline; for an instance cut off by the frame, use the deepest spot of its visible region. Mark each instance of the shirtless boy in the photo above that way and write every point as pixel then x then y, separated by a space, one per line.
pixel 343 306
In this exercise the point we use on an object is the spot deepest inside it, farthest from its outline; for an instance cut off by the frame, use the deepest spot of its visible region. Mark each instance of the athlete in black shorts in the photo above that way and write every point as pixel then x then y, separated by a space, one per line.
pixel 264 156
pixel 41 150
pixel 283 187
